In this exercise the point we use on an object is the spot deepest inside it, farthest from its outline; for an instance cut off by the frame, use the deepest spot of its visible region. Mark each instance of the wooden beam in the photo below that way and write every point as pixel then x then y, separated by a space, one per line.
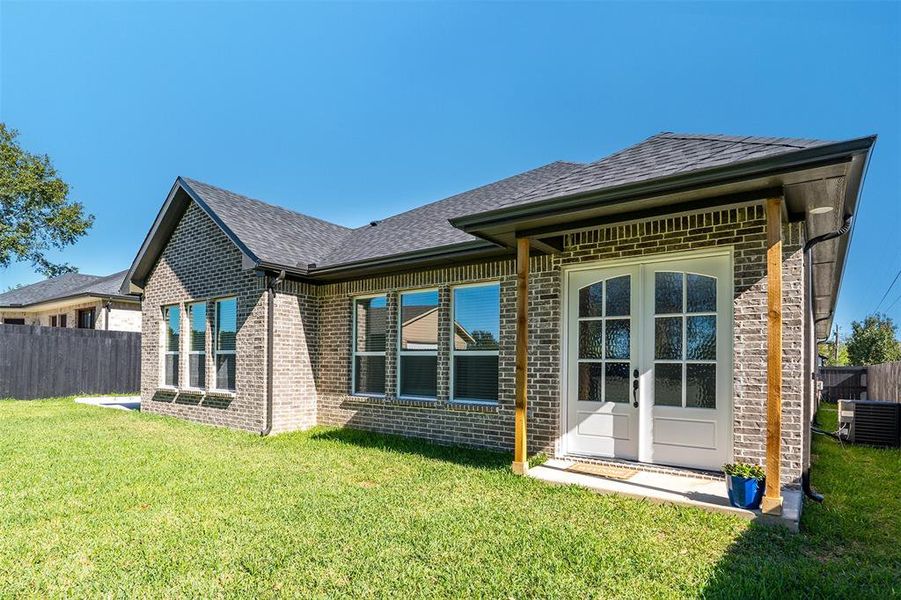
pixel 520 446
pixel 772 497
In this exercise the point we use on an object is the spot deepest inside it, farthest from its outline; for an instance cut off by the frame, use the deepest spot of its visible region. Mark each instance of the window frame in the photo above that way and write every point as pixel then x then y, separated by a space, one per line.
pixel 190 352
pixel 353 348
pixel 453 351
pixel 215 339
pixel 164 330
pixel 86 311
pixel 422 352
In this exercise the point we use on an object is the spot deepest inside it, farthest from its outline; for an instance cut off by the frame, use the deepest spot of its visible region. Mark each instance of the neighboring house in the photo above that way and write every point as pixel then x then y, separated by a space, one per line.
pixel 618 309
pixel 73 300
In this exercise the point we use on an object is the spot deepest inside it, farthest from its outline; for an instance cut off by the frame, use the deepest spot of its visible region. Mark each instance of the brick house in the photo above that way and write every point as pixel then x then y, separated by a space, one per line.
pixel 659 306
pixel 74 300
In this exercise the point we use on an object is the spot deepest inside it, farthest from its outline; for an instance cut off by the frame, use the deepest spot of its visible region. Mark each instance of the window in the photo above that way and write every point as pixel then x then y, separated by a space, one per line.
pixel 370 318
pixel 12 321
pixel 62 320
pixel 171 339
pixel 418 351
pixel 474 349
pixel 197 345
pixel 53 321
pixel 684 340
pixel 225 334
pixel 86 318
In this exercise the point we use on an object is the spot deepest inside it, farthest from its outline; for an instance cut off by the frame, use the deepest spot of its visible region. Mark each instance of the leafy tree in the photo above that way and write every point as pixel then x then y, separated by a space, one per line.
pixel 827 349
pixel 35 211
pixel 873 341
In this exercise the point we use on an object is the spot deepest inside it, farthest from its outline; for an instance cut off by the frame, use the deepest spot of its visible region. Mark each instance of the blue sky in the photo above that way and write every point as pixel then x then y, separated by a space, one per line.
pixel 354 111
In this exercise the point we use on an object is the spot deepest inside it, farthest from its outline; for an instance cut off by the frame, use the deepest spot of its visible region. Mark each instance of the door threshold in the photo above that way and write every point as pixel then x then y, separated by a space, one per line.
pixel 643 466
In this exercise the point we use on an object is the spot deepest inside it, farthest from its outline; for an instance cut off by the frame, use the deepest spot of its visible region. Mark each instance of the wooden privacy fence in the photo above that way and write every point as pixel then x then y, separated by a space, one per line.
pixel 44 362
pixel 843 383
pixel 884 382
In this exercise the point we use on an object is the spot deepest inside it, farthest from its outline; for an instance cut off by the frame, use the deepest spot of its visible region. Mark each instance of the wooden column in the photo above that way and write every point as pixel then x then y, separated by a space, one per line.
pixel 772 497
pixel 520 446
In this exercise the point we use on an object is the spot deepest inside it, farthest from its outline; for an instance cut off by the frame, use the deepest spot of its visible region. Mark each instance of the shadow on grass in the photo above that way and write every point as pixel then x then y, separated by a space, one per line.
pixel 847 547
pixel 480 459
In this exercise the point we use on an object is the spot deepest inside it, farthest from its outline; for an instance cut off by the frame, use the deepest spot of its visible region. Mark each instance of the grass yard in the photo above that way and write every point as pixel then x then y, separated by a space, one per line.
pixel 97 502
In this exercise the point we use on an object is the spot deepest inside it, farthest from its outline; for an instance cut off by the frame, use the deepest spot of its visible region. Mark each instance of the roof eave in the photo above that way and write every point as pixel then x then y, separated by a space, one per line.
pixel 701 178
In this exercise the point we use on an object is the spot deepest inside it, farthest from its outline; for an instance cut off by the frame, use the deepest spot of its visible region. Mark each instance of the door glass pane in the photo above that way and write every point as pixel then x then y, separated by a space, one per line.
pixel 617 382
pixel 619 296
pixel 618 338
pixel 668 384
pixel 701 293
pixel 419 321
pixel 668 338
pixel 590 300
pixel 591 339
pixel 590 382
pixel 667 293
pixel 700 338
pixel 700 386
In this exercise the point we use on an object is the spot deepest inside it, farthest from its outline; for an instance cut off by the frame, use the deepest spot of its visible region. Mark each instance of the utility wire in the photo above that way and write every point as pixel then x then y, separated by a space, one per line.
pixel 891 285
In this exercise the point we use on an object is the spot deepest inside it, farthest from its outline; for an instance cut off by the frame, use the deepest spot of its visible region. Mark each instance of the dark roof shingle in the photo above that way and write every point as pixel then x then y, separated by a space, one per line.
pixel 429 227
pixel 274 234
pixel 659 156
pixel 64 286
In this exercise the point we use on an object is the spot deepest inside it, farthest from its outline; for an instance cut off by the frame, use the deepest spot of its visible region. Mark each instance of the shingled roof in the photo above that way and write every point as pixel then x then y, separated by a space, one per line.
pixel 66 286
pixel 429 227
pixel 272 237
pixel 273 234
pixel 660 155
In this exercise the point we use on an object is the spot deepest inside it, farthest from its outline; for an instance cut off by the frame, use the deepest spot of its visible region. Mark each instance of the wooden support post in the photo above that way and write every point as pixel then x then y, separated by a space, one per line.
pixel 520 446
pixel 772 497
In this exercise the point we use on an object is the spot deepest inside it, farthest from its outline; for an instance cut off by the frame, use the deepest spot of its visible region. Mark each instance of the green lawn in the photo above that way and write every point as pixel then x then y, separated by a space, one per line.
pixel 97 502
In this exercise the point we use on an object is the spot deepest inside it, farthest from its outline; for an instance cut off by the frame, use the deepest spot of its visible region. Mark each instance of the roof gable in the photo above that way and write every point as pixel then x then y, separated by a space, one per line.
pixel 270 233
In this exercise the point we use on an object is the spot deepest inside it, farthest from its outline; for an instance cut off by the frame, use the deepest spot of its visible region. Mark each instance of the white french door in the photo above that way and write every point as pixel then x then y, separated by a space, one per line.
pixel 648 361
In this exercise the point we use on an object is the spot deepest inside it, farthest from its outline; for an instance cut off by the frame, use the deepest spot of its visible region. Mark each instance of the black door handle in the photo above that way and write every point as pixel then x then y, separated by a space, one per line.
pixel 635 388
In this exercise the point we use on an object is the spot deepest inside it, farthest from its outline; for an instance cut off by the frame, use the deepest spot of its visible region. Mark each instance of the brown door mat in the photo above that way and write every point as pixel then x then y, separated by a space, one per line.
pixel 602 471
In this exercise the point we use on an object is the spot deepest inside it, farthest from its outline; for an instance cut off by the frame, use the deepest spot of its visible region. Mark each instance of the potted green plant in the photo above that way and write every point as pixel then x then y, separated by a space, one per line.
pixel 745 483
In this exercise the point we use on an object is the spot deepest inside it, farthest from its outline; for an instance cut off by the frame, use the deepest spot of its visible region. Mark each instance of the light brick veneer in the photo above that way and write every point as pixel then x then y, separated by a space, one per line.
pixel 313 334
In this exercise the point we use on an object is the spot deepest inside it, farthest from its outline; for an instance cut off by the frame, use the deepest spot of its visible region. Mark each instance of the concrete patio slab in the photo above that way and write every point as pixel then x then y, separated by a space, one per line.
pixel 117 402
pixel 683 490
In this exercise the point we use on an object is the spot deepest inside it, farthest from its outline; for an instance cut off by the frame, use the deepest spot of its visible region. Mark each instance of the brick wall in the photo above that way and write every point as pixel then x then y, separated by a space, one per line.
pixel 314 330
pixel 201 264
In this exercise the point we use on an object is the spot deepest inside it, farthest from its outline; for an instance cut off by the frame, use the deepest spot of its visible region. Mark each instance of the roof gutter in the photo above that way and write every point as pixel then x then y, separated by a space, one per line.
pixel 838 152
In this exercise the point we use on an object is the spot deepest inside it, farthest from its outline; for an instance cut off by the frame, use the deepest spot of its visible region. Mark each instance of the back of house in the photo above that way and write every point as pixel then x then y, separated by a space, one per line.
pixel 626 309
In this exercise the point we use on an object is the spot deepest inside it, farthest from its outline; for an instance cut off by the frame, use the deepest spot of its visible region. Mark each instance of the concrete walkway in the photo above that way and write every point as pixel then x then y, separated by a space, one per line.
pixel 117 402
pixel 684 490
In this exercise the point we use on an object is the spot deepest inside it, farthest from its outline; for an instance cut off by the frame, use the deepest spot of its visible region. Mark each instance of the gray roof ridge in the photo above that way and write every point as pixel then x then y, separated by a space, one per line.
pixel 469 191
pixel 738 139
pixel 97 279
pixel 190 180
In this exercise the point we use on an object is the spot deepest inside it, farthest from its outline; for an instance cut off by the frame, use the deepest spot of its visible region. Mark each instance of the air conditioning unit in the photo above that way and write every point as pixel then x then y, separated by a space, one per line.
pixel 871 422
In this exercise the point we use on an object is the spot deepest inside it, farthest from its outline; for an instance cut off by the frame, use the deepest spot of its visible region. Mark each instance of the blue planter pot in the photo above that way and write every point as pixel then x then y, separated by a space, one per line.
pixel 744 493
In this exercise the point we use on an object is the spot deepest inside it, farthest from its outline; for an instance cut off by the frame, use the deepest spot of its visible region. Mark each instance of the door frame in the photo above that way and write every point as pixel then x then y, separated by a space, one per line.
pixel 566 270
